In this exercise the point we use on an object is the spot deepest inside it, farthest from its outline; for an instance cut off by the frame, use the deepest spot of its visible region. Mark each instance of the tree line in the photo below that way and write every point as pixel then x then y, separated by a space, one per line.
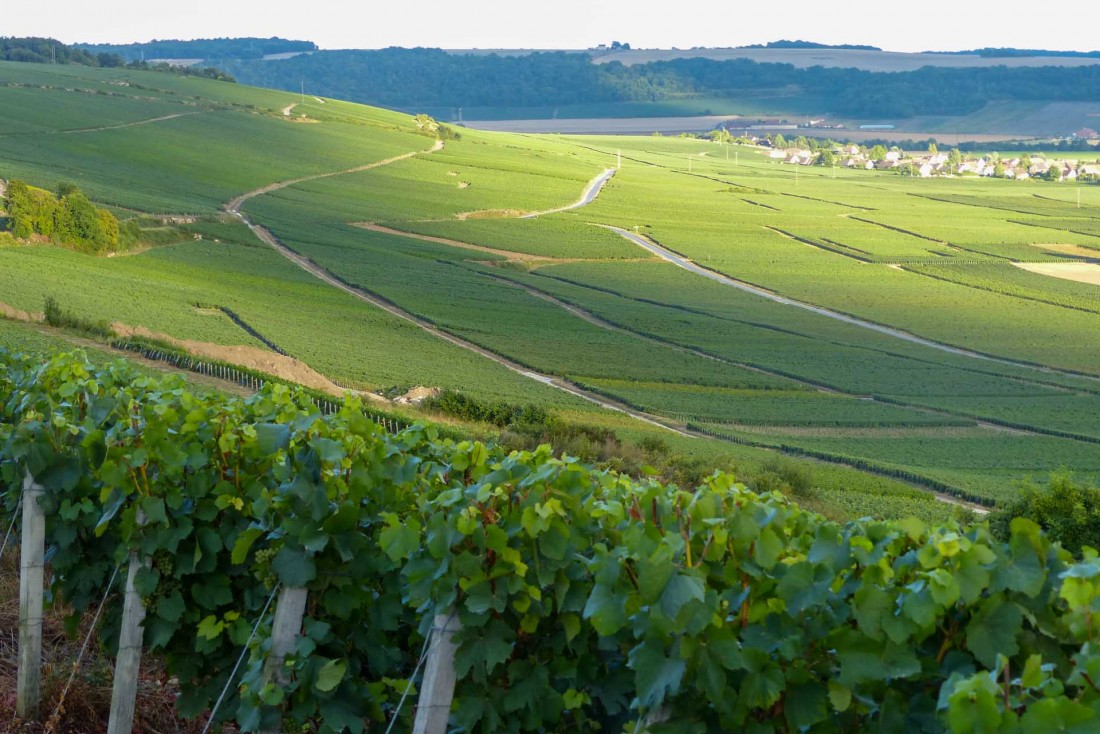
pixel 422 77
pixel 201 48
pixel 51 51
pixel 65 217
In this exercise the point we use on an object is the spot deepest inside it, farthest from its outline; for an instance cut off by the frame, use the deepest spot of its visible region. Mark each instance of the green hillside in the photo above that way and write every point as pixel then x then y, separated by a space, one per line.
pixel 930 359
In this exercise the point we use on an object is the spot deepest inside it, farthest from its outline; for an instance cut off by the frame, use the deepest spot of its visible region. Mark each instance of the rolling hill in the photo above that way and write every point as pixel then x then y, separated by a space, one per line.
pixel 388 259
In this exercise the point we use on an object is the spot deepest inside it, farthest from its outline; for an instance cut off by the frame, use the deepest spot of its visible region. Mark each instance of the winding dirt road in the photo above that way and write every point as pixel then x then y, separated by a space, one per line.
pixel 101 128
pixel 266 236
pixel 692 267
pixel 589 195
pixel 234 205
pixel 595 186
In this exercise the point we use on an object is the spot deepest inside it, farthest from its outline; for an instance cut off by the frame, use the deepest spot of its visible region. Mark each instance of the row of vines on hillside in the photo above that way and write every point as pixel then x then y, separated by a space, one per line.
pixel 588 601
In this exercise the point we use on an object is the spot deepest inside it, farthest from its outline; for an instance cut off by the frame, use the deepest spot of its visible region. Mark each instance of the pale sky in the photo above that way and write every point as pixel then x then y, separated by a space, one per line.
pixel 930 25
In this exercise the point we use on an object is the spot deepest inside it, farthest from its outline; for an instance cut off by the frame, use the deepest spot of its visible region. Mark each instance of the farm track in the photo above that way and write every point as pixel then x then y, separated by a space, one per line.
pixel 234 205
pixel 595 186
pixel 102 128
pixel 508 254
pixel 326 276
pixel 692 267
pixel 266 236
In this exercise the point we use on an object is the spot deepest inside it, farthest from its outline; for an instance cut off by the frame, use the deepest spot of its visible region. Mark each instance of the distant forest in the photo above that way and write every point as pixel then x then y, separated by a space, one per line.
pixel 52 51
pixel 205 48
pixel 1016 53
pixel 414 78
pixel 810 44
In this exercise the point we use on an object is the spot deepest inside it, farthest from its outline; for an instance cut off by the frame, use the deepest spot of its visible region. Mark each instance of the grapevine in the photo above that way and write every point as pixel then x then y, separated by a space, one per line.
pixel 588 601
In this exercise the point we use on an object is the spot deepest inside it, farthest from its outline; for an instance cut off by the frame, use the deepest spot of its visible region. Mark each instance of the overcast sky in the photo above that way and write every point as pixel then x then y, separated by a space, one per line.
pixel 930 25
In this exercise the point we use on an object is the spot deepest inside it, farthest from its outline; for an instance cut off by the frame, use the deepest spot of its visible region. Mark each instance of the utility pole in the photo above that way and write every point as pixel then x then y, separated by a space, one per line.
pixel 689 164
pixel 303 91
pixel 618 159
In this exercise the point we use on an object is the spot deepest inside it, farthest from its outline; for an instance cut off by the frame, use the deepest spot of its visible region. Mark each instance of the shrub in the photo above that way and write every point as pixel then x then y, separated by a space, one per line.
pixel 1069 513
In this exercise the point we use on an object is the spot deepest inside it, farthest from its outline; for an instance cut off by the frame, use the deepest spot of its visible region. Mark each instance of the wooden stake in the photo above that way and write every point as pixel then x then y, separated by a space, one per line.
pixel 285 629
pixel 28 687
pixel 130 637
pixel 437 690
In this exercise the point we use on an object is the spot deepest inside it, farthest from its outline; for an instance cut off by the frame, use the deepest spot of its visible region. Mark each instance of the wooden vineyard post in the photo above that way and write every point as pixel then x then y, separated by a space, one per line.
pixel 28 687
pixel 128 662
pixel 437 690
pixel 285 629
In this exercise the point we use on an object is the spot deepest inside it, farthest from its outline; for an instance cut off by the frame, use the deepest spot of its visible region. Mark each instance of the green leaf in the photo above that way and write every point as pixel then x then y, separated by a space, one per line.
pixel 862 659
pixel 993 630
pixel 171 608
pixel 399 539
pixel 342 714
pixel 153 507
pixel 803 586
pixel 973 707
pixel 330 675
pixel 805 705
pixel 1025 571
pixel 654 573
pixel 768 549
pixel 606 610
pixel 1060 715
pixel 1033 672
pixel 656 675
pixel 272 437
pixel 680 590
pixel 839 696
pixel 244 544
pixel 210 628
pixel 293 567
pixel 764 684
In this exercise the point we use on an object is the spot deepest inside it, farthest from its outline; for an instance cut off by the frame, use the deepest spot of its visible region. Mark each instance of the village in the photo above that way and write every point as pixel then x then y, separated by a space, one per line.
pixel 1016 166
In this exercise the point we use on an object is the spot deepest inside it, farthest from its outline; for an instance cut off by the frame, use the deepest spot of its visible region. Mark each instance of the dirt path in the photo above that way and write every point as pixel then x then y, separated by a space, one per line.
pixel 288 109
pixel 692 267
pixel 508 254
pixel 361 294
pixel 595 186
pixel 234 205
pixel 101 128
pixel 1076 271
pixel 394 310
pixel 127 124
pixel 227 386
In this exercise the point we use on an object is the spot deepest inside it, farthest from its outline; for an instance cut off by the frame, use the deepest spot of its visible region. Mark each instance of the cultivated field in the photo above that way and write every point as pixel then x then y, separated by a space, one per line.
pixel 853 58
pixel 859 318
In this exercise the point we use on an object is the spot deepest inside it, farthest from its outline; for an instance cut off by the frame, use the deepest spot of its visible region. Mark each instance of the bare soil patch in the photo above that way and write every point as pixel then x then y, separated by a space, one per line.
pixel 1070 250
pixel 286 368
pixel 1080 272
pixel 8 312
pixel 492 214
pixel 418 395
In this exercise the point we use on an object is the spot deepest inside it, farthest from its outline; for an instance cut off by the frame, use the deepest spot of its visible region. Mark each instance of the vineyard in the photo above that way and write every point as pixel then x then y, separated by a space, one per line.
pixel 577 599
pixel 976 405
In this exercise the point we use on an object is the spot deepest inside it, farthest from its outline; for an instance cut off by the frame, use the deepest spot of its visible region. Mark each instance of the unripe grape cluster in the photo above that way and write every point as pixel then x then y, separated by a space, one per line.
pixel 264 572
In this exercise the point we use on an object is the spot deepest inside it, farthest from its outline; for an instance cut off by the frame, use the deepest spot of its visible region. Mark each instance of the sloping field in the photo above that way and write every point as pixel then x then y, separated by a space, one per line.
pixel 858 313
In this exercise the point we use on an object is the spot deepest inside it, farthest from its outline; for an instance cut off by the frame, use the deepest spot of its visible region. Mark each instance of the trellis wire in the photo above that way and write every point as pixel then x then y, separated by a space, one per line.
pixel 240 659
